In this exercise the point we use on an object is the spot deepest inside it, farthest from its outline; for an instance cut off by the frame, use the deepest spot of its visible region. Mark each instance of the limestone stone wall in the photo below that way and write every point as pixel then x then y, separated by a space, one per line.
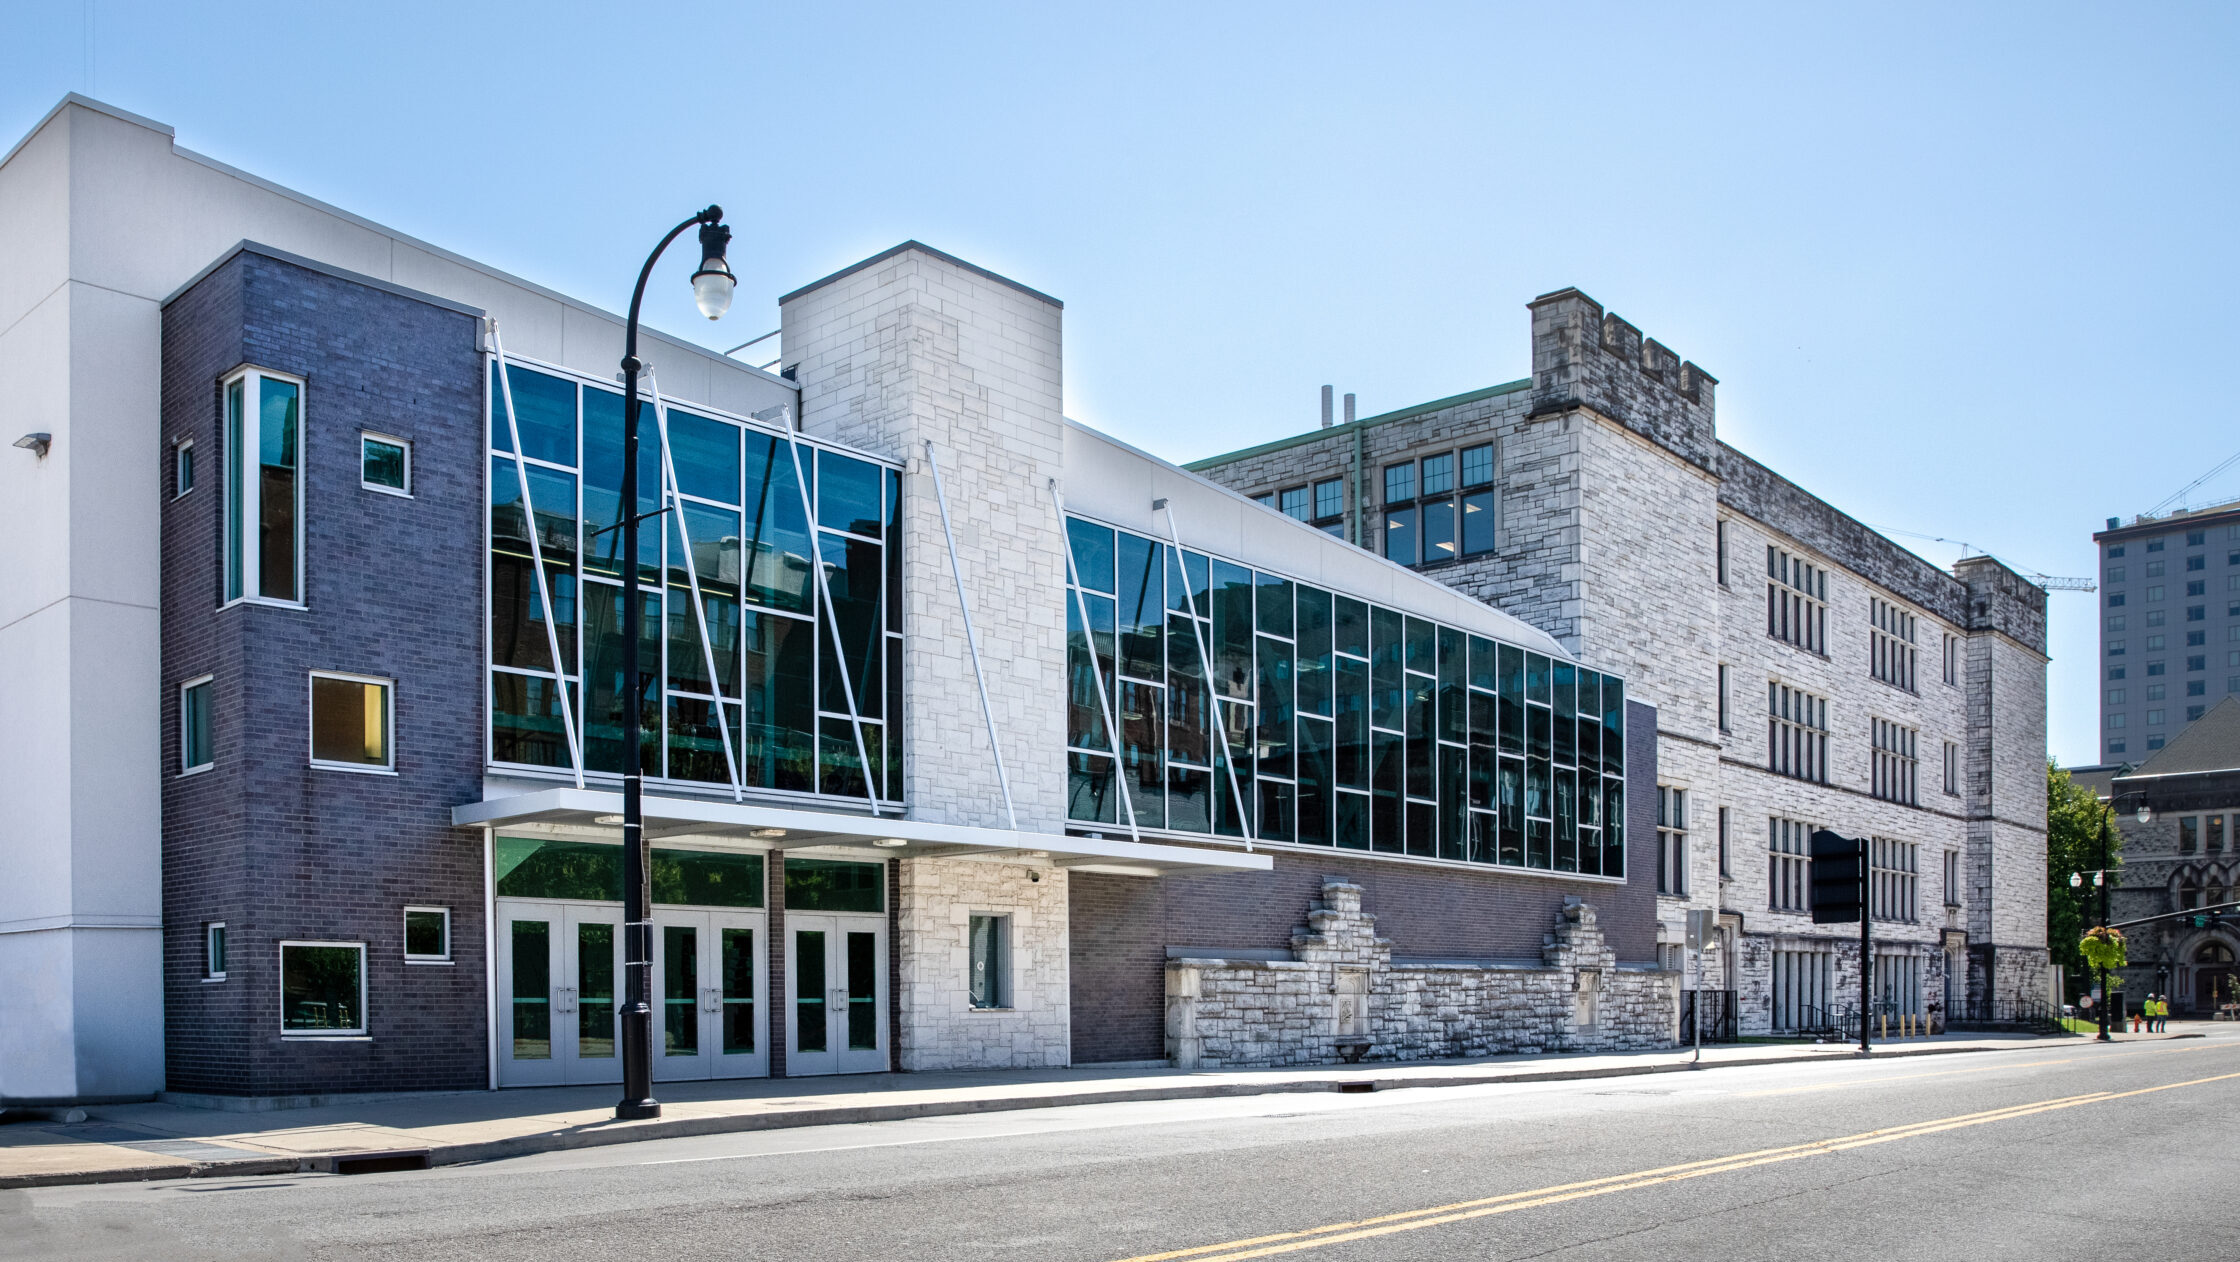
pixel 1341 985
pixel 938 1027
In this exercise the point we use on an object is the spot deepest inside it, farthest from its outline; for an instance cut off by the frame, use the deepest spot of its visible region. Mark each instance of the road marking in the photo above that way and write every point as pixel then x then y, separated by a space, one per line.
pixel 1461 1211
pixel 1982 1069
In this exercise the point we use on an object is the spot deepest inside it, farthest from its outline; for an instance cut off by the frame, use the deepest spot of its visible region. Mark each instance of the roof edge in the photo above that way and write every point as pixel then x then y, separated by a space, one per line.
pixel 922 248
pixel 246 246
pixel 1398 414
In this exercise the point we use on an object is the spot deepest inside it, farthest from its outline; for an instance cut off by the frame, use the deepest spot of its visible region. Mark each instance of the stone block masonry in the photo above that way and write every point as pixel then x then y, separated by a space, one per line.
pixel 937 1025
pixel 1342 992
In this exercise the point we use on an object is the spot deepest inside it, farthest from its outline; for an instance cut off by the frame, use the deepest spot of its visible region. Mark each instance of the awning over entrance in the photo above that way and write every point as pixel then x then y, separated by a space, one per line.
pixel 784 828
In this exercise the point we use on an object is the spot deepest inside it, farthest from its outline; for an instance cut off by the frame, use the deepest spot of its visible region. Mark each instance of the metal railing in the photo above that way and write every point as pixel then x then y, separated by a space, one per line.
pixel 2034 1015
pixel 1716 1009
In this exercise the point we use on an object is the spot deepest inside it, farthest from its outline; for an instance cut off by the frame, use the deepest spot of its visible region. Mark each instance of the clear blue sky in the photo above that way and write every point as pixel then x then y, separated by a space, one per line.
pixel 1936 260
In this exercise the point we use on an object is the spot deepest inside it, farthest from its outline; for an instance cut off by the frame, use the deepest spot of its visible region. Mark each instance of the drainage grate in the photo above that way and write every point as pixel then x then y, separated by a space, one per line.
pixel 382 1162
pixel 1351 1088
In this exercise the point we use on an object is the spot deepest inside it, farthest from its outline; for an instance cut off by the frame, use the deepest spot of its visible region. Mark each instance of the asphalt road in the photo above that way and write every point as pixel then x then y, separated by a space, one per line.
pixel 2056 1150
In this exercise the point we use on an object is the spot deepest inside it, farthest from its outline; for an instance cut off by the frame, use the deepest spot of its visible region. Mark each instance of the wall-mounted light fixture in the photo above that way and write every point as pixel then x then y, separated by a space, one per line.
pixel 890 843
pixel 36 443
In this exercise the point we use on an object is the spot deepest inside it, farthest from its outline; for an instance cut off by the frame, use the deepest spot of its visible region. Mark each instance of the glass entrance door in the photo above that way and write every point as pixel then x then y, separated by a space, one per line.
pixel 836 969
pixel 707 985
pixel 559 966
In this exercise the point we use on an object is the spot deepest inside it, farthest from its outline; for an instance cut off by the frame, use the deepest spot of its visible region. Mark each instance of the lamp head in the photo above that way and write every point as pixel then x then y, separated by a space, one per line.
pixel 713 284
pixel 2146 813
pixel 2076 879
pixel 36 444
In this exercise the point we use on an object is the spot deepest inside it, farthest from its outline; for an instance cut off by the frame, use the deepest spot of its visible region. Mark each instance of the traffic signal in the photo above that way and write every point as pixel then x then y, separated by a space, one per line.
pixel 1839 879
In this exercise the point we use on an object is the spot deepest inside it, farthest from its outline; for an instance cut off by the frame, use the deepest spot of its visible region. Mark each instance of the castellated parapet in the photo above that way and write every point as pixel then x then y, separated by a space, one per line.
pixel 1585 357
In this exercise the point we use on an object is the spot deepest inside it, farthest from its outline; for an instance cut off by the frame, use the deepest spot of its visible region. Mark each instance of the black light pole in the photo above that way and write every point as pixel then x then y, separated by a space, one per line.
pixel 711 289
pixel 2100 879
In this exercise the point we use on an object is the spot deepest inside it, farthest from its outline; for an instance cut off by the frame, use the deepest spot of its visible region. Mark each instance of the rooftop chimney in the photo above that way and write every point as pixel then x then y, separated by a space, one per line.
pixel 1349 407
pixel 1326 407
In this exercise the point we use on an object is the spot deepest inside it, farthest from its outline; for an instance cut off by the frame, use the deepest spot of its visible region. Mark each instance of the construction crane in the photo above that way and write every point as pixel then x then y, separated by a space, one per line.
pixel 2052 583
pixel 2178 497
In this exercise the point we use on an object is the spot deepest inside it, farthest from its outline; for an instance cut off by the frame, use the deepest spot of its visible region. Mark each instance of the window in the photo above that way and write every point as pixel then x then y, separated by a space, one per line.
pixel 2195 538
pixel 1951 658
pixel 2194 712
pixel 2197 687
pixel 1952 878
pixel 2156 692
pixel 2154 669
pixel 195 752
pixel 214 951
pixel 2196 639
pixel 322 989
pixel 264 492
pixel 1292 502
pixel 2115 551
pixel 1726 862
pixel 1330 506
pixel 1895 766
pixel 2212 834
pixel 350 722
pixel 2115 672
pixel 1893 878
pixel 2116 721
pixel 1951 768
pixel 2115 648
pixel 1796 733
pixel 182 467
pixel 2115 747
pixel 385 464
pixel 2154 642
pixel 1431 522
pixel 2154 593
pixel 1478 513
pixel 427 935
pixel 1250 704
pixel 2116 696
pixel 2189 833
pixel 1400 513
pixel 2115 600
pixel 1891 645
pixel 2154 742
pixel 2154 719
pixel 1723 718
pixel 2197 613
pixel 1672 841
pixel 1788 864
pixel 2154 545
pixel 1796 601
pixel 2117 573
pixel 1265 501
pixel 1721 544
pixel 989 983
pixel 2115 622
pixel 2157 617
pixel 2155 569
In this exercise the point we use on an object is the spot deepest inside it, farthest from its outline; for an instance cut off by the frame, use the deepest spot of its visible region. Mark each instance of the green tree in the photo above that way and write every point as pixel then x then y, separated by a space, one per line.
pixel 2074 815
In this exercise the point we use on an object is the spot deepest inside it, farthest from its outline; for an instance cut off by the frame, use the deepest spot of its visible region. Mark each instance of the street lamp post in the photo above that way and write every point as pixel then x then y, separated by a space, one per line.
pixel 711 288
pixel 2100 879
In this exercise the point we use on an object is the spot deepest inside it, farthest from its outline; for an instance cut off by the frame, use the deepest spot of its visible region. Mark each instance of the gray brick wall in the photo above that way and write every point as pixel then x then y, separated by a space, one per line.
pixel 393 587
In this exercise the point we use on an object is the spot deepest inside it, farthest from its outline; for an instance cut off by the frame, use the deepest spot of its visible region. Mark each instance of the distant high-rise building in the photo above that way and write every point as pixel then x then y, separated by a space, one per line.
pixel 2169 625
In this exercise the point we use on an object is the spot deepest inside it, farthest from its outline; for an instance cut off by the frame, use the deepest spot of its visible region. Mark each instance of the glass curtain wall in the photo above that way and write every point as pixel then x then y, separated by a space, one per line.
pixel 1243 698
pixel 777 682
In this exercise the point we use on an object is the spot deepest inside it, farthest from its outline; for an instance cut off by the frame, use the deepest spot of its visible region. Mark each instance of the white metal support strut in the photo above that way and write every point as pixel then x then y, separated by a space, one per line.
pixel 536 559
pixel 1213 692
pixel 971 637
pixel 1104 701
pixel 832 620
pixel 675 505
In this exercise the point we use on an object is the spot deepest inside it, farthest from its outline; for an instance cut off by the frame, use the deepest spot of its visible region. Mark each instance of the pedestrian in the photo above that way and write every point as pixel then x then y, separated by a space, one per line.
pixel 2162 1013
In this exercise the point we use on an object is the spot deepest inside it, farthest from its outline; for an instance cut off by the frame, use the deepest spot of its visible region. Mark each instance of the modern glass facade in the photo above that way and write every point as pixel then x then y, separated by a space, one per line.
pixel 1340 723
pixel 779 651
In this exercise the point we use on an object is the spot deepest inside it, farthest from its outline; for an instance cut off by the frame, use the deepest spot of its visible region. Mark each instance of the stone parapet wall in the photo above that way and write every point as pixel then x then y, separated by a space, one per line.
pixel 1342 992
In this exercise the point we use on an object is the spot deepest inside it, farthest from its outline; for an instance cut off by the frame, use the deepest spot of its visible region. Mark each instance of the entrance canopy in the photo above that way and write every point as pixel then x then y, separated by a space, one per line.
pixel 572 810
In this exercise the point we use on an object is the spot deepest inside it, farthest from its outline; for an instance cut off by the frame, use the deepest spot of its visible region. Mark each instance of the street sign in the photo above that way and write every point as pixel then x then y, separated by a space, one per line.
pixel 1838 878
pixel 1699 928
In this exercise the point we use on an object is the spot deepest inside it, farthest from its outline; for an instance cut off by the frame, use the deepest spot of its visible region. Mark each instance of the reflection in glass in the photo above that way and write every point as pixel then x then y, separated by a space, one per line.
pixel 680 990
pixel 595 997
pixel 810 1022
pixel 532 990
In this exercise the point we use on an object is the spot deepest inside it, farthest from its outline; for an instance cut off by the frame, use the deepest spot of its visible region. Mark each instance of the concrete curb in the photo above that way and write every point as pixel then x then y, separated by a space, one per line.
pixel 610 1133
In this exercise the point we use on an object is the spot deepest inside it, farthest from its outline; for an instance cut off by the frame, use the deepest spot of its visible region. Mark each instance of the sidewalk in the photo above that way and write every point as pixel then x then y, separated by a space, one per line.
pixel 128 1142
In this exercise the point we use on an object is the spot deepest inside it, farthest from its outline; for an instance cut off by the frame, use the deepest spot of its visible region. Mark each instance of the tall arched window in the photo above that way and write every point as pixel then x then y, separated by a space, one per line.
pixel 2213 953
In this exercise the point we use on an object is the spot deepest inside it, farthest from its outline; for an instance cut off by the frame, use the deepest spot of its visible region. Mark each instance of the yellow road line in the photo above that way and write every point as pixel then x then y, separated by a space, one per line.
pixel 1982 1069
pixel 1461 1211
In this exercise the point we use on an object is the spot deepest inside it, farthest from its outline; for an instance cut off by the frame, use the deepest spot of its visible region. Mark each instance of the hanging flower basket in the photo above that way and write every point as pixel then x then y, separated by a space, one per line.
pixel 2102 948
